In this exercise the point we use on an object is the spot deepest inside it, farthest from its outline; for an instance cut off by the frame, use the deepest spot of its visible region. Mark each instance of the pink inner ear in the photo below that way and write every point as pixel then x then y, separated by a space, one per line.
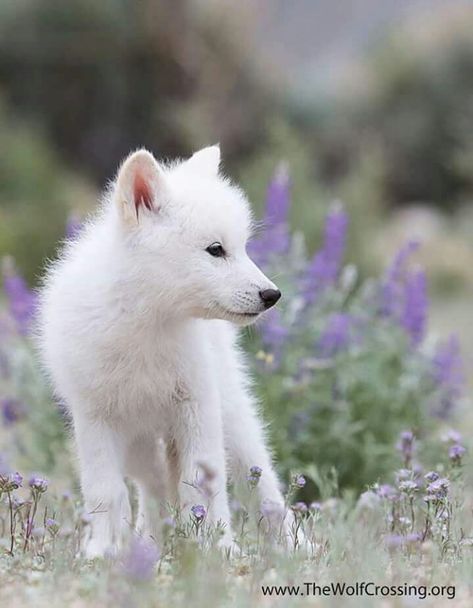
pixel 142 193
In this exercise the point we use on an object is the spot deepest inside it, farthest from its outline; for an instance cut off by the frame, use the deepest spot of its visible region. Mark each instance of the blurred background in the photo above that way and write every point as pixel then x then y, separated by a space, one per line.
pixel 367 101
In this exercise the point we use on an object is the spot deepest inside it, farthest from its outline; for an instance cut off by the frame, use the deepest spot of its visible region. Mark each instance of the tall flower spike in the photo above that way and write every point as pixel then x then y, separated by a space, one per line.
pixel 325 266
pixel 392 288
pixel 336 335
pixel 414 314
pixel 275 238
pixel 21 300
pixel 448 373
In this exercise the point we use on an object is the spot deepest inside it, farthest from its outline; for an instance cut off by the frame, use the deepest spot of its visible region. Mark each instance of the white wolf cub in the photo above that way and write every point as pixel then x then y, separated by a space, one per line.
pixel 138 334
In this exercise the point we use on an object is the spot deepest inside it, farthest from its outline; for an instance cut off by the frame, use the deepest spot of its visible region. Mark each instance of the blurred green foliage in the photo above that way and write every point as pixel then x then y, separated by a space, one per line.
pixel 36 192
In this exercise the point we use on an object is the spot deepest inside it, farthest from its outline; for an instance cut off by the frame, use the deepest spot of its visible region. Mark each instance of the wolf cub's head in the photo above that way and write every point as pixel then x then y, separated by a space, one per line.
pixel 186 228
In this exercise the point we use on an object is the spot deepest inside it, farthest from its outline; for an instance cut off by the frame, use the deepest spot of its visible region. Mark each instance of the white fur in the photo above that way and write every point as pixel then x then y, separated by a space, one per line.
pixel 137 331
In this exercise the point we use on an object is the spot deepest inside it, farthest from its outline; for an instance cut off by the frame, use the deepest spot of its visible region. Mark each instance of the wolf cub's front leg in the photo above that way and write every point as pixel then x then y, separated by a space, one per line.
pixel 202 476
pixel 103 487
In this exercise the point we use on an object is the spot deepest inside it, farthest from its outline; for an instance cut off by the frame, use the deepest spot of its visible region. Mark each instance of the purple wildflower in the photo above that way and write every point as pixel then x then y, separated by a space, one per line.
pixel 275 239
pixel 315 506
pixel 431 476
pixel 16 479
pixel 387 492
pixel 199 512
pixel 12 410
pixel 456 453
pixel 52 526
pixel 10 482
pixel 452 436
pixel 299 481
pixel 21 300
pixel 414 314
pixel 299 507
pixel 408 486
pixel 391 288
pixel 336 335
pixel 38 483
pixel 273 332
pixel 448 374
pixel 140 561
pixel 325 266
pixel 438 489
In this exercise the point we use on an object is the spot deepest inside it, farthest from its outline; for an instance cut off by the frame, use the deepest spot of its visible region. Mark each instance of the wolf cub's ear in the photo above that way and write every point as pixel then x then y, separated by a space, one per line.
pixel 139 186
pixel 206 161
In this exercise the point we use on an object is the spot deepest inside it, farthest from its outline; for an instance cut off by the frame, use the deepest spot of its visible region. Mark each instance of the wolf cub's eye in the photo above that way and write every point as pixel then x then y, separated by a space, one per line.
pixel 216 250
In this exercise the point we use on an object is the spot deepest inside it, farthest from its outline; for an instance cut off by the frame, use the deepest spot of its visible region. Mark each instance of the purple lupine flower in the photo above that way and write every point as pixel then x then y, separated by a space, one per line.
pixel 273 332
pixel 336 335
pixel 12 410
pixel 391 287
pixel 21 300
pixel 38 483
pixel 275 238
pixel 199 512
pixel 414 313
pixel 456 453
pixel 140 561
pixel 73 226
pixel 448 374
pixel 324 267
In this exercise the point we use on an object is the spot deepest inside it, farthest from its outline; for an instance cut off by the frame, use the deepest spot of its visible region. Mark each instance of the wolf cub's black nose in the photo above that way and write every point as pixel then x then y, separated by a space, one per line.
pixel 269 297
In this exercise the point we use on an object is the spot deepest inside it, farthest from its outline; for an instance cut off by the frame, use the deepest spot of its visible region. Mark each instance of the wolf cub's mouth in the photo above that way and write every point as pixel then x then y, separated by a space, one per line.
pixel 243 314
